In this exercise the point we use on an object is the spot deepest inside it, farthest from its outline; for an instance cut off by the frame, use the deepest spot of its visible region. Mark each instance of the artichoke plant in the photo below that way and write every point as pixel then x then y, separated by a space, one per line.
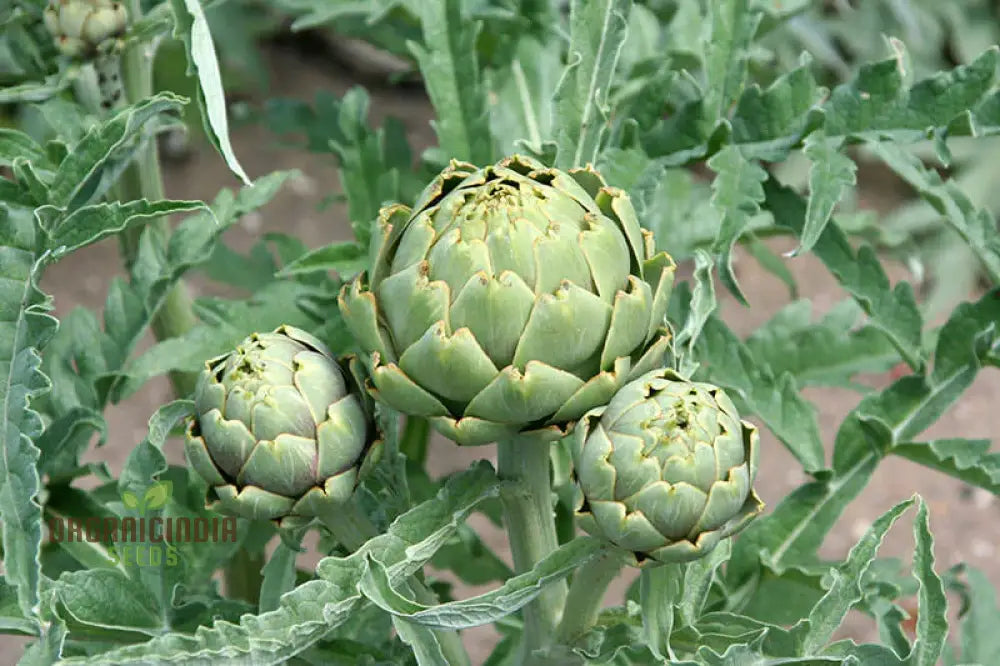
pixel 509 301
pixel 666 468
pixel 280 433
pixel 79 27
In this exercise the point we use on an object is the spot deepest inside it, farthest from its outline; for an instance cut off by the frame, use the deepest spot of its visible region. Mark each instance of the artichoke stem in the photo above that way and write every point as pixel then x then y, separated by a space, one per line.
pixel 586 595
pixel 531 529
pixel 143 180
pixel 413 443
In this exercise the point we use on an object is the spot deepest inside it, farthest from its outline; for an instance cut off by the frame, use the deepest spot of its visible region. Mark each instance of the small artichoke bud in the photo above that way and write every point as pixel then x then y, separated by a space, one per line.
pixel 281 432
pixel 510 300
pixel 79 27
pixel 666 469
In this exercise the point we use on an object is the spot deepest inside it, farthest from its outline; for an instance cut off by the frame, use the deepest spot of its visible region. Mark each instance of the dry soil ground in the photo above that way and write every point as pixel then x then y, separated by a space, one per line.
pixel 964 520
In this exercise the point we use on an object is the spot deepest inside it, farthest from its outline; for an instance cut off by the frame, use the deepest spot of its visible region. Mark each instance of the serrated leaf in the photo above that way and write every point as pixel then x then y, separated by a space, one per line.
pixel 845 590
pixel 14 144
pixel 659 587
pixel 732 24
pixel 726 361
pixel 792 533
pixel 826 353
pixel 270 307
pixel 520 103
pixel 736 195
pixel 345 258
pixel 911 404
pixel 515 593
pixel 25 328
pixel 894 311
pixel 932 619
pixel 771 263
pixel 767 124
pixel 878 102
pixel 597 32
pixel 35 91
pixel 703 303
pixel 830 174
pixel 83 226
pixel 191 27
pixel 976 226
pixel 968 460
pixel 81 176
pixel 448 63
pixel 980 640
pixel 108 599
pixel 308 613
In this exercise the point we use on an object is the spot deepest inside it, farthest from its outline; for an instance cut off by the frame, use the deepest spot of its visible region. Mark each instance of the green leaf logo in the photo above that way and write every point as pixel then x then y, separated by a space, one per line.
pixel 130 500
pixel 157 495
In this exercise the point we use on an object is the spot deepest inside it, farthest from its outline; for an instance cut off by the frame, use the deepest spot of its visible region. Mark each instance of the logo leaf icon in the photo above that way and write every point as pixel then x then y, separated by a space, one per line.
pixel 130 500
pixel 158 494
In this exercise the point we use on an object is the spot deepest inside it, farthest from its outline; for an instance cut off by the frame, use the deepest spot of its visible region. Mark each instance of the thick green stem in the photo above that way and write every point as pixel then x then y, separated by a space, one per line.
pixel 528 514
pixel 143 180
pixel 352 528
pixel 586 595
pixel 243 576
pixel 413 443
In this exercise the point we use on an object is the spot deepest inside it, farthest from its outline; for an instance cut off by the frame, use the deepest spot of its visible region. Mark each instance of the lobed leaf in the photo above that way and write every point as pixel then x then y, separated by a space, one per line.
pixel 894 312
pixel 736 195
pixel 932 619
pixel 830 174
pixel 846 591
pixel 597 33
pixel 726 361
pixel 976 226
pixel 825 353
pixel 25 328
pixel 448 63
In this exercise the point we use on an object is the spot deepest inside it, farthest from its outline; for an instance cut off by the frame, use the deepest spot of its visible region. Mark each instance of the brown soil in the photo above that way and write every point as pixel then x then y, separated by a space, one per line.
pixel 964 520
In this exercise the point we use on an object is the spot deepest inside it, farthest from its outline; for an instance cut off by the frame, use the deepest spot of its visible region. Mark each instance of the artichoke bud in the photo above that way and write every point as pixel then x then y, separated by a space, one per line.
pixel 666 469
pixel 509 301
pixel 281 431
pixel 80 27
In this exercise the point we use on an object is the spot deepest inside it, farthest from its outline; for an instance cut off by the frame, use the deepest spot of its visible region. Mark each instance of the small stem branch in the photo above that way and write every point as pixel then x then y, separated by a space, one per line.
pixel 529 517
pixel 144 180
pixel 352 528
pixel 586 595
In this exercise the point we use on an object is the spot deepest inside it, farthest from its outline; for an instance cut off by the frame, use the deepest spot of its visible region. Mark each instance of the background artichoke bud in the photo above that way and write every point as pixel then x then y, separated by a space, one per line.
pixel 666 469
pixel 80 26
pixel 280 432
pixel 509 301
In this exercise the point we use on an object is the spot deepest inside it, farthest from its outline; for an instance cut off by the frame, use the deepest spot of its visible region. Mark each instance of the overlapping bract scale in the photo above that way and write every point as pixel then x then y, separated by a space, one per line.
pixel 280 433
pixel 666 468
pixel 511 299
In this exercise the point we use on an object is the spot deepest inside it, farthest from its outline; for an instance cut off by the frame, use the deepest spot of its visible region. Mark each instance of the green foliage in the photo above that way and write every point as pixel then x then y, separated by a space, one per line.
pixel 729 124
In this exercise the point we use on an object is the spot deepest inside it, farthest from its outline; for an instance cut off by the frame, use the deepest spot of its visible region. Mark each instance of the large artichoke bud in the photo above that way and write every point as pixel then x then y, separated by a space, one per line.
pixel 80 26
pixel 666 468
pixel 279 431
pixel 509 301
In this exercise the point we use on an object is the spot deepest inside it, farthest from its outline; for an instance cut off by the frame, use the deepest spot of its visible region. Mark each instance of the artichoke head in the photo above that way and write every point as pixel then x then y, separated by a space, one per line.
pixel 509 301
pixel 280 432
pixel 666 469
pixel 80 26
